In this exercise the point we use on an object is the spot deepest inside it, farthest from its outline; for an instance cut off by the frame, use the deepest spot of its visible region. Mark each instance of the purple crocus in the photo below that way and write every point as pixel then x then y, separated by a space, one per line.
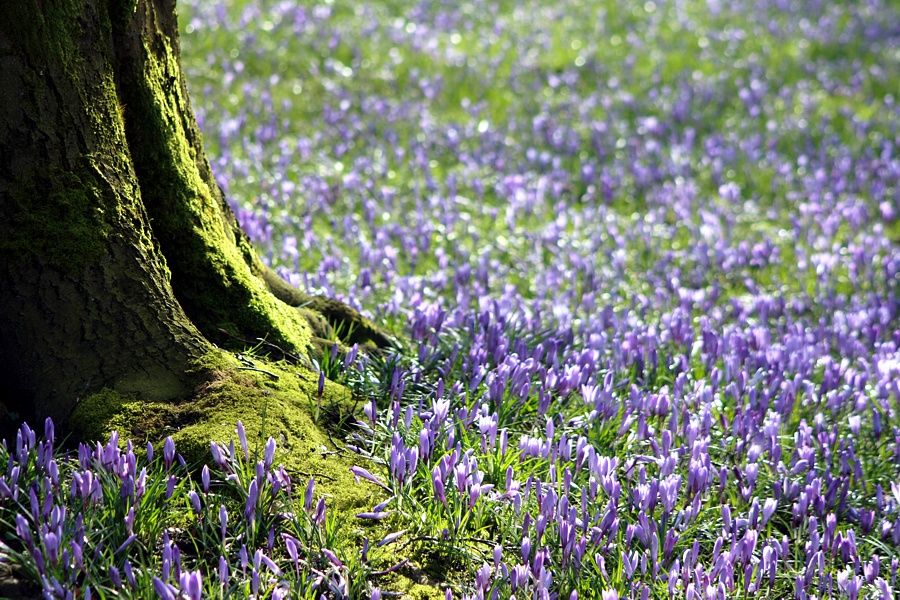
pixel 319 515
pixel 242 438
pixel 269 453
pixel 308 495
pixel 360 472
pixel 192 585
pixel 165 591
pixel 390 538
pixel 223 570
pixel 252 497
pixel 223 521
pixel 168 452
pixel 218 455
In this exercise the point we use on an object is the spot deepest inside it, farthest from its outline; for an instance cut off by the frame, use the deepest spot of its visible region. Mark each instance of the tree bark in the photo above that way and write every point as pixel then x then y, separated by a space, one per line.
pixel 119 257
pixel 214 268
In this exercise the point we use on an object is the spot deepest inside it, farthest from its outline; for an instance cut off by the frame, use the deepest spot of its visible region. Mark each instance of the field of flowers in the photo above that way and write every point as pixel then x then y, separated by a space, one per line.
pixel 645 258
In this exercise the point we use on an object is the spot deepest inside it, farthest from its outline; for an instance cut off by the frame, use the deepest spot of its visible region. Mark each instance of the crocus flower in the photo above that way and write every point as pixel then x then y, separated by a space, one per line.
pixel 332 557
pixel 308 495
pixel 269 453
pixel 168 452
pixel 217 455
pixel 319 516
pixel 164 591
pixel 252 497
pixel 192 585
pixel 114 577
pixel 124 546
pixel 374 516
pixel 768 510
pixel 242 438
pixel 360 472
pixel 390 538
pixel 223 570
pixel 292 545
pixel 223 521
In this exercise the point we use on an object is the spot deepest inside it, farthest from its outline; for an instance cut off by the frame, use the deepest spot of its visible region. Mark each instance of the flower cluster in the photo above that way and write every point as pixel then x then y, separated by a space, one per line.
pixel 644 256
pixel 94 525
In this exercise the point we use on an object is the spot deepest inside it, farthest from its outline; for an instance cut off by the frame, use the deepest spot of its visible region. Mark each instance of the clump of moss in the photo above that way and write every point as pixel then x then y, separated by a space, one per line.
pixel 59 217
pixel 274 401
pixel 271 400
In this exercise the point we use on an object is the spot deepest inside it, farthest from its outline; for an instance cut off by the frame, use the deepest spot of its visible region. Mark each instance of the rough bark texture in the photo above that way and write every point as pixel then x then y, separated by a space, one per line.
pixel 120 259
pixel 214 268
pixel 85 300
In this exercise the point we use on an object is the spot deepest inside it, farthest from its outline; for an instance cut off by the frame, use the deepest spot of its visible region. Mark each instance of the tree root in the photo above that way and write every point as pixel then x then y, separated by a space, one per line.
pixel 330 319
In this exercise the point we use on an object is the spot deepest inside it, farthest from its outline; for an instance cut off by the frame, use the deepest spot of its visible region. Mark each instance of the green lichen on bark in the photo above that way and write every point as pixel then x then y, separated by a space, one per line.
pixel 65 177
pixel 48 33
pixel 58 216
pixel 211 276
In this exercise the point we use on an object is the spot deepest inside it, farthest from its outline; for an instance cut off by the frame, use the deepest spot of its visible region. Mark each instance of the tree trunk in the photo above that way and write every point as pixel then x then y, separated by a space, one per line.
pixel 119 258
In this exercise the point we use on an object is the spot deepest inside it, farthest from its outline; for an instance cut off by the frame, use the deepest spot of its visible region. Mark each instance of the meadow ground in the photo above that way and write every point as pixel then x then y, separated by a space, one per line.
pixel 645 258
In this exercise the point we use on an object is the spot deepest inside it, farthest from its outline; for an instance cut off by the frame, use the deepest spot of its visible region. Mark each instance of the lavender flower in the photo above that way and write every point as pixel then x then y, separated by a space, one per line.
pixel 168 452
pixel 242 438
pixel 360 472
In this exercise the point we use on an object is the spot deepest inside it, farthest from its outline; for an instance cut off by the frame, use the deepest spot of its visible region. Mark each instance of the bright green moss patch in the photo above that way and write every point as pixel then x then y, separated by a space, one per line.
pixel 92 416
pixel 416 591
pixel 282 408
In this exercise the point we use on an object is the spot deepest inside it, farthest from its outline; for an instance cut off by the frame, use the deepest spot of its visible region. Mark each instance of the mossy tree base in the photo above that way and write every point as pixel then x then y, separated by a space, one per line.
pixel 122 269
pixel 121 263
pixel 280 403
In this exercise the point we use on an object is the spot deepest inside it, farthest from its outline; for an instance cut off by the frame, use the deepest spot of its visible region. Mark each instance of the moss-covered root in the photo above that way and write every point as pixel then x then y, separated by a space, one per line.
pixel 329 319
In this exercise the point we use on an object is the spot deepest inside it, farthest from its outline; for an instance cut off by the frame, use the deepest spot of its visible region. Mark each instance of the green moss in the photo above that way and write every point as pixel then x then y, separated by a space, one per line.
pixel 211 276
pixel 64 211
pixel 62 215
pixel 279 408
pixel 92 416
pixel 417 591
pixel 405 582
pixel 48 32
pixel 59 217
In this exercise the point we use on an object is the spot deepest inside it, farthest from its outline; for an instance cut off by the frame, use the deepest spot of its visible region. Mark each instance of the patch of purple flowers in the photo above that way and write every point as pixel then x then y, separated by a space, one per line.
pixel 647 273
pixel 646 255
